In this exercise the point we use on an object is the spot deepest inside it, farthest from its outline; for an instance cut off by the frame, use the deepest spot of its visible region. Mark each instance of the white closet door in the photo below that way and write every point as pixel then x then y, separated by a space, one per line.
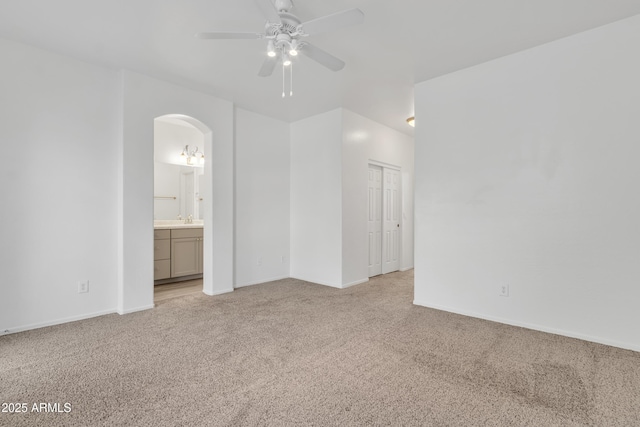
pixel 375 220
pixel 391 220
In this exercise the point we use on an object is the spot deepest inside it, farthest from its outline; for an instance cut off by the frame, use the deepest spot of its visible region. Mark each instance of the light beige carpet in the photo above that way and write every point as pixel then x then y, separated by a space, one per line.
pixel 295 353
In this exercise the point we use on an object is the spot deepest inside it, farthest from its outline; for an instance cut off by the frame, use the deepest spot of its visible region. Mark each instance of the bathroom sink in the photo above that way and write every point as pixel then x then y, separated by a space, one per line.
pixel 174 223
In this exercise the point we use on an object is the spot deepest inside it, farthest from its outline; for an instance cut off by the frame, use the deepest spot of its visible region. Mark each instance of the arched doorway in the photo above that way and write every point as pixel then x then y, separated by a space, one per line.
pixel 181 192
pixel 144 100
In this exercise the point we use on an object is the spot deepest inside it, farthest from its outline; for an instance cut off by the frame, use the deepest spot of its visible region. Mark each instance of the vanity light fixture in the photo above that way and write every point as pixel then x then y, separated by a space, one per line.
pixel 411 121
pixel 192 157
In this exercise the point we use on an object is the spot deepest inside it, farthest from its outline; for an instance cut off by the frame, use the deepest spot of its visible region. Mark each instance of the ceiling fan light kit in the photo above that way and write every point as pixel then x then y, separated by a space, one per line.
pixel 284 32
pixel 271 49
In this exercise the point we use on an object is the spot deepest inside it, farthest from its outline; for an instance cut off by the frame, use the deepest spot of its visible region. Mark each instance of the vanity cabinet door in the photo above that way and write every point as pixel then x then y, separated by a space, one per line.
pixel 185 256
pixel 161 249
pixel 161 254
pixel 161 269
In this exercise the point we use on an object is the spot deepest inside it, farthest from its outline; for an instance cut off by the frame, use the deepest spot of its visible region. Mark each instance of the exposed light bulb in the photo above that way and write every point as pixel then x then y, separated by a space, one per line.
pixel 271 49
pixel 286 61
pixel 293 48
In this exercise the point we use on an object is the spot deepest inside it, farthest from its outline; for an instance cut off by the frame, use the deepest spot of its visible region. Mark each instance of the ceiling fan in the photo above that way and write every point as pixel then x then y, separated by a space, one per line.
pixel 285 34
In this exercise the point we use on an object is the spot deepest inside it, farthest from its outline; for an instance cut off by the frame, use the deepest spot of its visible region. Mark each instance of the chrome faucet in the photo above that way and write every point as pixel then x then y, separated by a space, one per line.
pixel 189 220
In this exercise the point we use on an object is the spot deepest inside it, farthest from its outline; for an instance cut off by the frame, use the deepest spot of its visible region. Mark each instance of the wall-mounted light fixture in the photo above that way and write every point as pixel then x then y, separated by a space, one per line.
pixel 192 157
pixel 411 121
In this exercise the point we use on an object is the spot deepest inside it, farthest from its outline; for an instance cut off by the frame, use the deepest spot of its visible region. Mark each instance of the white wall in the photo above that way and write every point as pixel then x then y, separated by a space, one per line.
pixel 262 199
pixel 316 199
pixel 58 191
pixel 363 141
pixel 527 175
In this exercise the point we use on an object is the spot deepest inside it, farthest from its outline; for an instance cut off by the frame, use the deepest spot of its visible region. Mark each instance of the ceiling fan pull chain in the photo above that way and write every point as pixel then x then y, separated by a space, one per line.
pixel 291 81
pixel 283 80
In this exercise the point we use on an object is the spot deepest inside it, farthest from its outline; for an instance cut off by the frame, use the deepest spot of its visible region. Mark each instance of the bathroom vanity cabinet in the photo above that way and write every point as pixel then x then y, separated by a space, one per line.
pixel 177 252
pixel 161 254
pixel 186 252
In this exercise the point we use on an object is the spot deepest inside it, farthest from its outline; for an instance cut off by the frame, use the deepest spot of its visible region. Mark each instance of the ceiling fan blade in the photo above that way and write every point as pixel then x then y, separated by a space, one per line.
pixel 333 22
pixel 268 10
pixel 228 36
pixel 322 57
pixel 268 66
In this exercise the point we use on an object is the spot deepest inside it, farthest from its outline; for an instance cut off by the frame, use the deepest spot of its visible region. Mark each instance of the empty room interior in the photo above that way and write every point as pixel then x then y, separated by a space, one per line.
pixel 360 212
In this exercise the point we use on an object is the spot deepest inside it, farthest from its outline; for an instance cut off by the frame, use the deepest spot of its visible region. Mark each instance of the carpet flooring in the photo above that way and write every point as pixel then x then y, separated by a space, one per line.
pixel 295 353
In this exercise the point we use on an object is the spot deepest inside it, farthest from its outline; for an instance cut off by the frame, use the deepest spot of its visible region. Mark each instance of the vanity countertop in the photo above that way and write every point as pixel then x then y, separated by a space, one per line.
pixel 170 224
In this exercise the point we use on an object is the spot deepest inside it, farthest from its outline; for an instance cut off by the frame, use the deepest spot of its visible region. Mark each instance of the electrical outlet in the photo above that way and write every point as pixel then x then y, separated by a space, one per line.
pixel 83 287
pixel 504 291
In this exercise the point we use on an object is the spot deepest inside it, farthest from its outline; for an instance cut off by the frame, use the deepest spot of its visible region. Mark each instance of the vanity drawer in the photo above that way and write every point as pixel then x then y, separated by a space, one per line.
pixel 183 233
pixel 162 269
pixel 161 234
pixel 161 249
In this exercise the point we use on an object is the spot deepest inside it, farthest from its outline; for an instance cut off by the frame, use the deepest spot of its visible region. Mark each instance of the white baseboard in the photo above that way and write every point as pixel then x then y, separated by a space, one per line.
pixel 273 279
pixel 318 282
pixel 406 268
pixel 357 282
pixel 213 294
pixel 341 286
pixel 135 309
pixel 16 329
pixel 535 327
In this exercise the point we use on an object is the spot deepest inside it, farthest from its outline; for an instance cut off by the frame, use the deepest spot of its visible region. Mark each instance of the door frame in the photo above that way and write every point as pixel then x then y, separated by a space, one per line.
pixel 377 205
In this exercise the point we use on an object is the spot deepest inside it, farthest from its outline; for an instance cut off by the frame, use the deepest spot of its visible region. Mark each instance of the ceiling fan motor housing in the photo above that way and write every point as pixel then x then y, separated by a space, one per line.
pixel 286 33
pixel 289 24
pixel 284 5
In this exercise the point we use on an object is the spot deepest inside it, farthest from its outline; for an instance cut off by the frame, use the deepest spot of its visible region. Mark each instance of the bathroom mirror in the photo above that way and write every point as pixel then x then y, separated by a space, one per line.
pixel 177 185
pixel 176 191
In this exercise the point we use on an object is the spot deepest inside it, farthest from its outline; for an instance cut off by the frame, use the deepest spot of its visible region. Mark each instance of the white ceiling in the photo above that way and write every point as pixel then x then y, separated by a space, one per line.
pixel 400 43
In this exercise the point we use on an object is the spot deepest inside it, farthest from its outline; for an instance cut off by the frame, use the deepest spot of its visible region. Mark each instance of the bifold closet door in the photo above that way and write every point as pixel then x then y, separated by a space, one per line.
pixel 391 200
